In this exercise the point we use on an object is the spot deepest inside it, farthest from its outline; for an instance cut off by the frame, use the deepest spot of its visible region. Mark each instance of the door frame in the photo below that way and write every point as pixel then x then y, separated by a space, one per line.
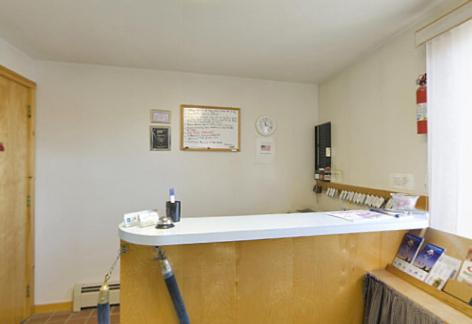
pixel 29 235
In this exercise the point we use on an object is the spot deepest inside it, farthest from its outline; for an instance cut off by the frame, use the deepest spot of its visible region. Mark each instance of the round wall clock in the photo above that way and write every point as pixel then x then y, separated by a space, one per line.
pixel 265 126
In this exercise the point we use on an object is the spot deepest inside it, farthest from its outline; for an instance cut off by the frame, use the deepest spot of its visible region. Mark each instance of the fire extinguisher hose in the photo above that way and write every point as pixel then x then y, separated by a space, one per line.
pixel 172 287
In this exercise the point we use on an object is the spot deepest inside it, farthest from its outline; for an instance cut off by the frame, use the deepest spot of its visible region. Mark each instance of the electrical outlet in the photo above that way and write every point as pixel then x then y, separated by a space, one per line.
pixel 336 175
pixel 402 181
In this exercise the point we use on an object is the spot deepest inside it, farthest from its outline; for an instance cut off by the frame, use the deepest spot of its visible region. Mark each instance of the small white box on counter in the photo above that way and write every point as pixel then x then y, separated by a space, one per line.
pixel 142 218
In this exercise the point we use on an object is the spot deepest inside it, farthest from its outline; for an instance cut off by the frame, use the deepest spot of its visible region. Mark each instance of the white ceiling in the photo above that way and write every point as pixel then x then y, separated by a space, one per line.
pixel 290 40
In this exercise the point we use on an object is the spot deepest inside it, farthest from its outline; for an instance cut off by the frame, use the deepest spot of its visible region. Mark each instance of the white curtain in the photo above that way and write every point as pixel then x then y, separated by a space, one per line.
pixel 449 68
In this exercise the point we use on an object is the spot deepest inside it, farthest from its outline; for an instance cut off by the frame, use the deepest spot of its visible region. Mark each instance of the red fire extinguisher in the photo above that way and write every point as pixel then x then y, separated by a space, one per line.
pixel 421 106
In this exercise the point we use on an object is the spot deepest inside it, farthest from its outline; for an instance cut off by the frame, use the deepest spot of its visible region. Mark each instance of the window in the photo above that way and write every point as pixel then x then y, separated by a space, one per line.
pixel 449 68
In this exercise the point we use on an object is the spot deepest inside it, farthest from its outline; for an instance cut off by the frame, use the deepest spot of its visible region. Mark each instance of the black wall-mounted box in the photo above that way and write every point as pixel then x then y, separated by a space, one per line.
pixel 323 152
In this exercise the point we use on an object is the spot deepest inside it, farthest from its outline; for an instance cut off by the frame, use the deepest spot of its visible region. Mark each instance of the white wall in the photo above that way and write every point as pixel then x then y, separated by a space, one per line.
pixel 94 163
pixel 372 107
pixel 16 60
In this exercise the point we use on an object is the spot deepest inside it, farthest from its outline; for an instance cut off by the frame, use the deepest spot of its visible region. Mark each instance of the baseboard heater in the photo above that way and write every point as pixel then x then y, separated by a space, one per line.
pixel 86 295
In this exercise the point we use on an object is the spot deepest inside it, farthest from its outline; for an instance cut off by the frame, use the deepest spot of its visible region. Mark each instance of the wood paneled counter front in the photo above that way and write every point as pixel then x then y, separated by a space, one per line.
pixel 279 268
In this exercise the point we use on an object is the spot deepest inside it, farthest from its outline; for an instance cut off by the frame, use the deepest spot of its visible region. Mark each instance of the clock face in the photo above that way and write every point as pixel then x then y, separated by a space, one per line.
pixel 265 126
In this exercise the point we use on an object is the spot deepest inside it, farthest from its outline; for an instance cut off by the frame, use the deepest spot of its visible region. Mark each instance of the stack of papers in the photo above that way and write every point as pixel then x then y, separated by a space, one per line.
pixel 358 215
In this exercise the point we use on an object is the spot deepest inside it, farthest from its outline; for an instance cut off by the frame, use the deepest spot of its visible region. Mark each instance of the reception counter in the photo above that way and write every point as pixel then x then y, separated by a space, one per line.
pixel 270 226
pixel 278 268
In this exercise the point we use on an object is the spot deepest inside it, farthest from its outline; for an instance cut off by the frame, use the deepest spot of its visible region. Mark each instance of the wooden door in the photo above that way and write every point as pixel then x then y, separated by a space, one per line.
pixel 16 194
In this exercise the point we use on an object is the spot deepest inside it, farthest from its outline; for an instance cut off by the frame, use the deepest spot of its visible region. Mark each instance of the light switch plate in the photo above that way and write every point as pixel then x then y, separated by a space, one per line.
pixel 405 181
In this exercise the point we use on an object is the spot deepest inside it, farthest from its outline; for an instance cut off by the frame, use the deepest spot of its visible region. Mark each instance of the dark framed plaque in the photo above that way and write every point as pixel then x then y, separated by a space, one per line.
pixel 160 138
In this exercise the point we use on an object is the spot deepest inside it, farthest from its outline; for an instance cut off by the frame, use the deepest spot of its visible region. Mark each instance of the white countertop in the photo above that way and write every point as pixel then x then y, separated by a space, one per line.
pixel 256 227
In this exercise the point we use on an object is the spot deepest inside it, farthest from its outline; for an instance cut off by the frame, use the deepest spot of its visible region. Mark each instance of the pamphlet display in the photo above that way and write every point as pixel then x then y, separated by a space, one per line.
pixel 465 274
pixel 425 261
pixel 446 268
pixel 407 252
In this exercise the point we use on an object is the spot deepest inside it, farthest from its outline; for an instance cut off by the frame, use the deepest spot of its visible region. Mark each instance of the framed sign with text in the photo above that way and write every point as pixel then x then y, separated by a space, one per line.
pixel 209 128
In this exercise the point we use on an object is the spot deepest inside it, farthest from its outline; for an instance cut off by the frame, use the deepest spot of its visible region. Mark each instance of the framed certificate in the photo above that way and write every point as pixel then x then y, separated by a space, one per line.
pixel 160 116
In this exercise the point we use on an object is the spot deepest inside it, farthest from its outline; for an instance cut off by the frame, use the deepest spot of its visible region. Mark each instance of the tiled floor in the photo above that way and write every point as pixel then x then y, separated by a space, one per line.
pixel 86 316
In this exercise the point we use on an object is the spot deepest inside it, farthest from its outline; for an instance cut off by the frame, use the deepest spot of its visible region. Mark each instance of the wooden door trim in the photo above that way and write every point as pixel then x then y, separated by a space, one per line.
pixel 12 75
pixel 31 86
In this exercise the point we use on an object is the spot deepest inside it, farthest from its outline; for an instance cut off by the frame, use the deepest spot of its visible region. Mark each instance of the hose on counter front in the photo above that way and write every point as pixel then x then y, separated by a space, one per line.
pixel 172 287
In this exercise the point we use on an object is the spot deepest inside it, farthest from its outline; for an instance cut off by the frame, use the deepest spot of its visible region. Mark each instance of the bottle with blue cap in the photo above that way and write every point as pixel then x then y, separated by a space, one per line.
pixel 173 207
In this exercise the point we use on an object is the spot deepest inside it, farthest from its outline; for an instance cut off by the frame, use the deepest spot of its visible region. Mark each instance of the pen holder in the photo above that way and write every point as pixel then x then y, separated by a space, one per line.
pixel 173 211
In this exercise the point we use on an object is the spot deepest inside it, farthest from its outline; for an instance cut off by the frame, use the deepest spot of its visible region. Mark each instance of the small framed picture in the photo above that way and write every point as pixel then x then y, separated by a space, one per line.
pixel 265 147
pixel 160 116
pixel 160 138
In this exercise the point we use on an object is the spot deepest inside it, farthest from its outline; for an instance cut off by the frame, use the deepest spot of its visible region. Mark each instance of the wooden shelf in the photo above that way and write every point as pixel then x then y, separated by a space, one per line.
pixel 421 204
pixel 430 290
pixel 425 300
